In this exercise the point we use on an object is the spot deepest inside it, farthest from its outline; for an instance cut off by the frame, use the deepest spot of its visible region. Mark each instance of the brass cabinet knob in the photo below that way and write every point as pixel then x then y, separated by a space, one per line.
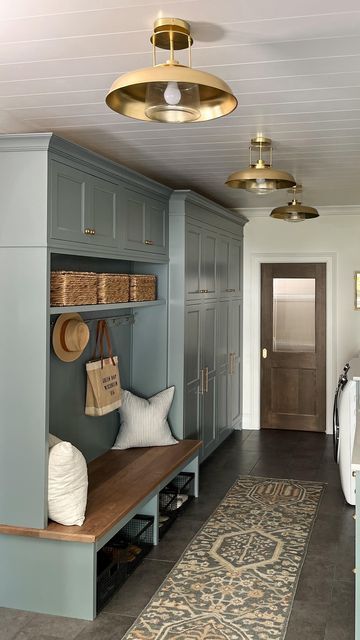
pixel 93 232
pixel 149 242
pixel 354 570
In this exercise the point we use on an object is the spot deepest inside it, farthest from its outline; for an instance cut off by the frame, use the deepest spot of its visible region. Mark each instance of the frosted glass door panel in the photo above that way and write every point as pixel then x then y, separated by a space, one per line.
pixel 294 314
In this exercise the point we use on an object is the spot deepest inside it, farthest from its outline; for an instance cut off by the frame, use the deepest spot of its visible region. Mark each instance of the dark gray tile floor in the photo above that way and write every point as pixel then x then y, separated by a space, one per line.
pixel 324 603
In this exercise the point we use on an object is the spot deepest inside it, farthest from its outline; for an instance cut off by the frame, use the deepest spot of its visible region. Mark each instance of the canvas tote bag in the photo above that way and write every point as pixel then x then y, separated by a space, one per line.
pixel 103 390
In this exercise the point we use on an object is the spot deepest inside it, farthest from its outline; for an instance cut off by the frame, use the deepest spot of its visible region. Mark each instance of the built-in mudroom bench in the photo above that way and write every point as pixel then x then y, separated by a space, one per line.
pixel 65 209
pixel 55 570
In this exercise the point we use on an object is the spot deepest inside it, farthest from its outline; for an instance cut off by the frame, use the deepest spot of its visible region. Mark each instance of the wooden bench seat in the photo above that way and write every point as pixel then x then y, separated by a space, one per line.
pixel 118 482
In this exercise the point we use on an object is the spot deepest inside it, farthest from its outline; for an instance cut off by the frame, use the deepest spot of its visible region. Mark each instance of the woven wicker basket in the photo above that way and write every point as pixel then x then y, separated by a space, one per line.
pixel 73 288
pixel 142 287
pixel 112 288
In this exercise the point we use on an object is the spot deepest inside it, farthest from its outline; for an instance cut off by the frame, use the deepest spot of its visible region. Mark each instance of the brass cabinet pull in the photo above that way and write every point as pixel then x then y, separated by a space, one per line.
pixel 264 353
pixel 149 241
pixel 203 290
pixel 231 365
pixel 206 372
pixel 87 232
pixel 230 290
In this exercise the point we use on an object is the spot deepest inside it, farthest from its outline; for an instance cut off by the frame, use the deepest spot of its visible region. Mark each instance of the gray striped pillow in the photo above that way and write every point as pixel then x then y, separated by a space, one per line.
pixel 143 423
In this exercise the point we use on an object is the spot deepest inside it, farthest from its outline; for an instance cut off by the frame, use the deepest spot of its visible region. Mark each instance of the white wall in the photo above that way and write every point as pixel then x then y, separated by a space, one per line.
pixel 334 239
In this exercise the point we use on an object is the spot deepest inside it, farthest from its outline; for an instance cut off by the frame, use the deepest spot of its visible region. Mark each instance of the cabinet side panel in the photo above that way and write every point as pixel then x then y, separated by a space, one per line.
pixel 23 389
pixel 149 338
pixel 23 187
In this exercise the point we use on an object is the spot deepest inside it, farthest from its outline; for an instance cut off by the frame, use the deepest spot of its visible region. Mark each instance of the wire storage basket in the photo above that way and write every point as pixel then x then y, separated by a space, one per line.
pixel 112 288
pixel 142 287
pixel 121 555
pixel 69 288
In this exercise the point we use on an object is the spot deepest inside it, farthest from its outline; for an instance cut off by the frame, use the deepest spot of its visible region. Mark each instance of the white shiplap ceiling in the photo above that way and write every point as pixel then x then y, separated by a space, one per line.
pixel 293 65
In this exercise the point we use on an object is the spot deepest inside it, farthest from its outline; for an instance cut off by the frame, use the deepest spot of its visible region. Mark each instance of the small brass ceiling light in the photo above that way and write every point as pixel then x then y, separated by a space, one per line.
pixel 294 211
pixel 171 92
pixel 260 177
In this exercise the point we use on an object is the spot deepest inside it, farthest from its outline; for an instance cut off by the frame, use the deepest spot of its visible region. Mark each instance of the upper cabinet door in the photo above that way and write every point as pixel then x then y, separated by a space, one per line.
pixel 235 270
pixel 69 203
pixel 192 261
pixel 223 266
pixel 200 263
pixel 103 212
pixel 208 264
pixel 133 224
pixel 156 227
pixel 144 222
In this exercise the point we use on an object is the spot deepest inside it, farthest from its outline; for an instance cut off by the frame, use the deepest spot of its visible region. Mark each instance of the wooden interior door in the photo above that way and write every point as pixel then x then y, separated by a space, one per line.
pixel 293 343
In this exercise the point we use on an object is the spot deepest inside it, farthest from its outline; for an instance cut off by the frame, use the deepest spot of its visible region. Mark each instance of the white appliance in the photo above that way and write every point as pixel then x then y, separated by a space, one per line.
pixel 344 424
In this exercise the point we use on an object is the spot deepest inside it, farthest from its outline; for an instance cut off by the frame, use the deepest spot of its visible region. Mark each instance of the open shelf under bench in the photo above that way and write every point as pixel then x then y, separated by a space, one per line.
pixel 53 570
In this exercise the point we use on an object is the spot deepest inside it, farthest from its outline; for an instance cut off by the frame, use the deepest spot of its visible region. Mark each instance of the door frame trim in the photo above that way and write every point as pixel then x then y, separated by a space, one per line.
pixel 252 421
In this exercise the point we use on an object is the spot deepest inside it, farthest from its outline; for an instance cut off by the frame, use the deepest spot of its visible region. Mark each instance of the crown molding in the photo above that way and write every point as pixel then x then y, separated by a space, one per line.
pixel 264 212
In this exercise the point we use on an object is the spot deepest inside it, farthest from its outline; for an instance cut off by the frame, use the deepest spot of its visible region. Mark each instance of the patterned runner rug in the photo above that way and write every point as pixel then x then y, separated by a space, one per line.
pixel 237 578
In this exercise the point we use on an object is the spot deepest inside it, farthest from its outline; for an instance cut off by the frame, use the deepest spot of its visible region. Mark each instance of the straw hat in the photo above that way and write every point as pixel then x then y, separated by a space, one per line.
pixel 70 336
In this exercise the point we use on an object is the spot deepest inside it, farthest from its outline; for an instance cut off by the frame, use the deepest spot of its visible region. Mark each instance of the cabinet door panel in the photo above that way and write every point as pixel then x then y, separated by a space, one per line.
pixel 208 337
pixel 208 263
pixel 104 203
pixel 192 345
pixel 223 265
pixel 191 412
pixel 156 226
pixel 68 197
pixel 235 348
pixel 134 229
pixel 192 261
pixel 235 271
pixel 192 372
pixel 222 370
pixel 208 430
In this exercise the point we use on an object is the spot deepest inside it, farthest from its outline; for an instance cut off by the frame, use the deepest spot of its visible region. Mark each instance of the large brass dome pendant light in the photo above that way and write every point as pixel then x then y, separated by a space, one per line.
pixel 260 177
pixel 294 211
pixel 171 92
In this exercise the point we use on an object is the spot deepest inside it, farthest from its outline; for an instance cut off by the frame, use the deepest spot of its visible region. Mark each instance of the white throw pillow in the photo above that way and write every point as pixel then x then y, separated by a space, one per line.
pixel 67 483
pixel 143 423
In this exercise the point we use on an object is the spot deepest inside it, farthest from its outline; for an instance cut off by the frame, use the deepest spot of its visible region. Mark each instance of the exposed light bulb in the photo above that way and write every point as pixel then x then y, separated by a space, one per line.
pixel 260 181
pixel 172 93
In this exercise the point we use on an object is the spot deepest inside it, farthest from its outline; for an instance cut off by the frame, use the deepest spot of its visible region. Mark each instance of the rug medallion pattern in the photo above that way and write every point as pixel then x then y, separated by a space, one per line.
pixel 237 578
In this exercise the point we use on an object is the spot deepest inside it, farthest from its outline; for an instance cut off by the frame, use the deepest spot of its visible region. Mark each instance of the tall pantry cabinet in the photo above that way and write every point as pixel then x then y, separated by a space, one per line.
pixel 205 312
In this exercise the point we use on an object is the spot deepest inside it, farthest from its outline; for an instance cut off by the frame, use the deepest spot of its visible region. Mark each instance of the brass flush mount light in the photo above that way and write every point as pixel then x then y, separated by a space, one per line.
pixel 260 177
pixel 171 92
pixel 294 211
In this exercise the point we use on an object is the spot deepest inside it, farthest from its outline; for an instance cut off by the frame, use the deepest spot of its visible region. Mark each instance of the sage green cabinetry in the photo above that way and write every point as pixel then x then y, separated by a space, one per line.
pixel 144 222
pixel 83 207
pixel 52 192
pixel 97 204
pixel 205 276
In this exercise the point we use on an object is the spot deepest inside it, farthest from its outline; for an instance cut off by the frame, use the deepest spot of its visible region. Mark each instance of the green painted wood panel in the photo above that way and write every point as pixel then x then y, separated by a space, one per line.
pixel 357 558
pixel 69 205
pixel 48 576
pixel 24 340
pixel 104 212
